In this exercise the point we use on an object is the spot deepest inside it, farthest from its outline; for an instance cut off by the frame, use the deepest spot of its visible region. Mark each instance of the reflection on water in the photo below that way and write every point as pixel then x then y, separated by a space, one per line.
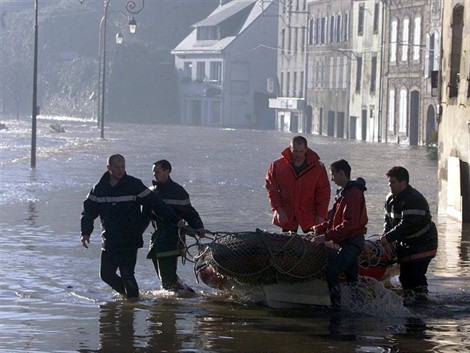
pixel 32 214
pixel 53 300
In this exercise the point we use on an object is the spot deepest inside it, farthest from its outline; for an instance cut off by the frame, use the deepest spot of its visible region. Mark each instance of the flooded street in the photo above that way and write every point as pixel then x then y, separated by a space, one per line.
pixel 51 296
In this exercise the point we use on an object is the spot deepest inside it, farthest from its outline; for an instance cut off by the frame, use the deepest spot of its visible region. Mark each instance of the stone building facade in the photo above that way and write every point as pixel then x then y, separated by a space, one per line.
pixel 454 124
pixel 410 110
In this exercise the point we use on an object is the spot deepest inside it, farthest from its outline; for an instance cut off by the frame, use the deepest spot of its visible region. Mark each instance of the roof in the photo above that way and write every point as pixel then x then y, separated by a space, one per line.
pixel 224 13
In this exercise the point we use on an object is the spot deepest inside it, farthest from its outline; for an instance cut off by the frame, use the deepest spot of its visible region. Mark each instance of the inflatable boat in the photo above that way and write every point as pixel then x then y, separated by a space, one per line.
pixel 280 269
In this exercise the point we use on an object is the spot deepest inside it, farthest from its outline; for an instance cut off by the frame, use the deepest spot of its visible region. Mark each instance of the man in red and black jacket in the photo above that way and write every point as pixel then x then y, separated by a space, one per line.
pixel 408 223
pixel 346 226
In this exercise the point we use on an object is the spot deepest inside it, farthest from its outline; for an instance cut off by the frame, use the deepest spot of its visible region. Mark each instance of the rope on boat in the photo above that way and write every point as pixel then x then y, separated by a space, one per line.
pixel 375 255
pixel 261 257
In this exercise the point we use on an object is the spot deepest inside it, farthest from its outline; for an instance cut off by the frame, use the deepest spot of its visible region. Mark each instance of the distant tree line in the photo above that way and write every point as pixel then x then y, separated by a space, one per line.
pixel 140 73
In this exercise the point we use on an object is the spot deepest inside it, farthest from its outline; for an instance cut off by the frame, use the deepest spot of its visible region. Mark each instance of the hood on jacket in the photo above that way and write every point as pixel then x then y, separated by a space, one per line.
pixel 359 183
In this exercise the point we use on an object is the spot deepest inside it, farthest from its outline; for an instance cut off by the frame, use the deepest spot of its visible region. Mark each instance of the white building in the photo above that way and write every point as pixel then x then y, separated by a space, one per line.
pixel 366 59
pixel 224 66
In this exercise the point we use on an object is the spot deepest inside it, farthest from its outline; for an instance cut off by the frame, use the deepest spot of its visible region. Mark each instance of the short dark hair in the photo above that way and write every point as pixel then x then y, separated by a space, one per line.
pixel 164 164
pixel 342 165
pixel 399 173
pixel 115 157
pixel 299 140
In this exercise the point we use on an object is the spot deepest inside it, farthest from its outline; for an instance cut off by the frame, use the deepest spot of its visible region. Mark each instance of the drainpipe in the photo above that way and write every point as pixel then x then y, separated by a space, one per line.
pixel 382 65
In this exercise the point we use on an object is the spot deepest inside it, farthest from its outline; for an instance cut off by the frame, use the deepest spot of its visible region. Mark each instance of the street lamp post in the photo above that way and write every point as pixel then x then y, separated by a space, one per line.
pixel 131 8
pixel 35 86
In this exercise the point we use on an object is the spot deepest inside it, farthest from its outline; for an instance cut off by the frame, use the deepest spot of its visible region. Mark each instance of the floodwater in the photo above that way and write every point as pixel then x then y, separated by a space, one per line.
pixel 52 299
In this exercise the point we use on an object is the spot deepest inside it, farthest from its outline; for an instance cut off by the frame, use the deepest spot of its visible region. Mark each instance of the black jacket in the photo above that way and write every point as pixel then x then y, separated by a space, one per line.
pixel 408 222
pixel 119 208
pixel 177 199
pixel 165 240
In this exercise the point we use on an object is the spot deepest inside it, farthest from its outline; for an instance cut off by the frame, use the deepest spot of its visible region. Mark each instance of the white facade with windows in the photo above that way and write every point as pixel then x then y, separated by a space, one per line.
pixel 366 52
pixel 411 63
pixel 224 64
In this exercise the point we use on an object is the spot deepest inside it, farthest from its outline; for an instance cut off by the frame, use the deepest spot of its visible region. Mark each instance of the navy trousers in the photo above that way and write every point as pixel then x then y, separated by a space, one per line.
pixel 125 261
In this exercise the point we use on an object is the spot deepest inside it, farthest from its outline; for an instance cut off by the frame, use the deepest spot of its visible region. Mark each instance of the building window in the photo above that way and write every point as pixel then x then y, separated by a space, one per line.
pixel 323 30
pixel 301 90
pixel 345 72
pixel 332 71
pixel 338 28
pixel 405 39
pixel 282 84
pixel 215 74
pixel 311 32
pixel 373 74
pixel 201 71
pixel 318 31
pixel 296 39
pixel 417 39
pixel 360 22
pixel 346 27
pixel 338 72
pixel 403 113
pixel 456 50
pixel 303 43
pixel 289 39
pixel 393 41
pixel 208 33
pixel 358 73
pixel 332 29
pixel 283 39
pixel 376 18
pixel 294 90
pixel 288 85
pixel 391 110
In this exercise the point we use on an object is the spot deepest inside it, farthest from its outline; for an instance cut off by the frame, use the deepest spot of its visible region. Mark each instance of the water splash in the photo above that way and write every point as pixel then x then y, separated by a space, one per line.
pixel 371 298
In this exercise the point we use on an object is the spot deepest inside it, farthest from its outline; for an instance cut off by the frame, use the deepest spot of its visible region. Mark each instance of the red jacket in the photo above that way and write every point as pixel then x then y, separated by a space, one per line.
pixel 302 197
pixel 348 217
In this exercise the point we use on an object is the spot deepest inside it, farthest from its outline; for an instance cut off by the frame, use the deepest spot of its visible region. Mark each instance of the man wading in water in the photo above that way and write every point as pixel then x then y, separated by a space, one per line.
pixel 117 200
pixel 165 246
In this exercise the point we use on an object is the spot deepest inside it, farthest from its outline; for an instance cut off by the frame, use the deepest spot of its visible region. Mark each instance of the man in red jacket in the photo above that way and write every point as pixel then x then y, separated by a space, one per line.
pixel 346 226
pixel 298 188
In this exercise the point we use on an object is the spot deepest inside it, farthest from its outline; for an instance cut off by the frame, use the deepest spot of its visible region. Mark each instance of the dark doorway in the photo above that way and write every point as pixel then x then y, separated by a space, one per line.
pixel 308 120
pixel 430 124
pixel 352 127
pixel 414 117
pixel 294 123
pixel 340 125
pixel 320 123
pixel 331 123
pixel 364 125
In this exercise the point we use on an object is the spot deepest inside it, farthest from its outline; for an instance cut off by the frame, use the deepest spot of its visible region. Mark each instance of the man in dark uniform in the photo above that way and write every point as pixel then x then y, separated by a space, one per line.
pixel 117 199
pixel 408 223
pixel 166 245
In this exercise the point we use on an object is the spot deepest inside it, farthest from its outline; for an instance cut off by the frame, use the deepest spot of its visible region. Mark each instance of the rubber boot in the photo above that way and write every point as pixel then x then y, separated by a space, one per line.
pixel 335 297
pixel 409 297
pixel 421 294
